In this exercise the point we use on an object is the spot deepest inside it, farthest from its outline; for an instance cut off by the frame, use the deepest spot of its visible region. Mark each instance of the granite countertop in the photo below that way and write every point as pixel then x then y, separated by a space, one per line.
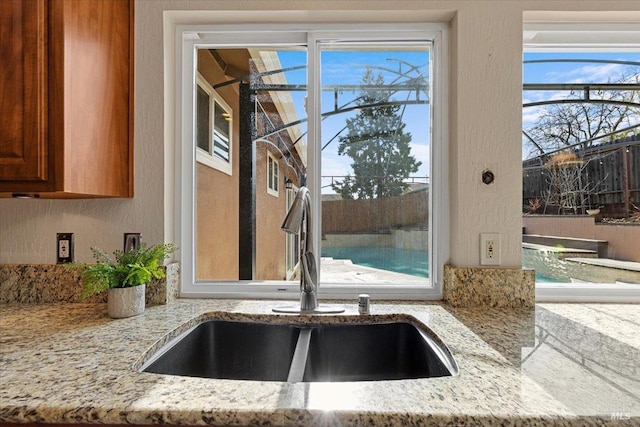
pixel 560 364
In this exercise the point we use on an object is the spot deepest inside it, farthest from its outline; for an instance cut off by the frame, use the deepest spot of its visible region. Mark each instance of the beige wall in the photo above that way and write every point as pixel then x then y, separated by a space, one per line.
pixel 218 209
pixel 270 211
pixel 217 195
pixel 485 115
pixel 623 240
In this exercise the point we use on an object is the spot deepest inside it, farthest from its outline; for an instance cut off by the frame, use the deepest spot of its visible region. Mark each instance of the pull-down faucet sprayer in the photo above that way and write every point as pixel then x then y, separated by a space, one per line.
pixel 298 221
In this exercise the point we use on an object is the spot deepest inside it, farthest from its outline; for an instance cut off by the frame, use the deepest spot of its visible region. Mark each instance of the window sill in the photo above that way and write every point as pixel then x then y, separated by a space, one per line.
pixel 587 293
pixel 291 290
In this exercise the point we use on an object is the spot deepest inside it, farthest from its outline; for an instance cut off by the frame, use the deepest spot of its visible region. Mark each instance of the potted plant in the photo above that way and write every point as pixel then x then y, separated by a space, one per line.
pixel 124 276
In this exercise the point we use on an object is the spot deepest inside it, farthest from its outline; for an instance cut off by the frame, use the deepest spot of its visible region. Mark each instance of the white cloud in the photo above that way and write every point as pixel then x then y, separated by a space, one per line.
pixel 601 73
pixel 421 152
pixel 531 115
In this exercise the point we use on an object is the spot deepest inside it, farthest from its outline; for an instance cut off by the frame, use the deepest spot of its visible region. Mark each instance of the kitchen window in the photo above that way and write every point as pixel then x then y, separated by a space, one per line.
pixel 581 121
pixel 355 113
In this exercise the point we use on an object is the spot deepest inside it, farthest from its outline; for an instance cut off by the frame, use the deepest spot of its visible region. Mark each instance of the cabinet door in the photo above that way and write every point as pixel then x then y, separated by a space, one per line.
pixel 23 90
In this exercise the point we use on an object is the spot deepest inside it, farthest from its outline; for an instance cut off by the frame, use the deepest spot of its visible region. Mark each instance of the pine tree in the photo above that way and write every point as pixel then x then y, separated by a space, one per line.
pixel 378 145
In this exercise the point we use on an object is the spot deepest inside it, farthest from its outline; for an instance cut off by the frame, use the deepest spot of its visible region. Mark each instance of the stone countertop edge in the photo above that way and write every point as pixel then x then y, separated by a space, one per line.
pixel 71 364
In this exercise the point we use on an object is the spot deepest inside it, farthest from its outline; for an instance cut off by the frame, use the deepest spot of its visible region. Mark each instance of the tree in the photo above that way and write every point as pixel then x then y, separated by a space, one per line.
pixel 378 145
pixel 569 185
pixel 580 124
pixel 563 132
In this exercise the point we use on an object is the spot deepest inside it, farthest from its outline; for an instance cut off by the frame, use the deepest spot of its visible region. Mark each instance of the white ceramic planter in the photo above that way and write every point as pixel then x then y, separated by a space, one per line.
pixel 125 302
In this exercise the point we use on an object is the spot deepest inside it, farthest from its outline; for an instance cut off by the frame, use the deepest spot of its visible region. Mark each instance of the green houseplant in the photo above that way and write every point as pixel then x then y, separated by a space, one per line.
pixel 124 275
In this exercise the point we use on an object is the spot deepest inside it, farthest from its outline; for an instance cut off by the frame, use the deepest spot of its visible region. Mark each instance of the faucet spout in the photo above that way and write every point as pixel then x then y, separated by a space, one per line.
pixel 298 221
pixel 308 282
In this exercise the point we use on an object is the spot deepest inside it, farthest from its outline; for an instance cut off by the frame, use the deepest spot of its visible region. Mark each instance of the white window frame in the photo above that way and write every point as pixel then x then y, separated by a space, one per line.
pixel 583 37
pixel 272 178
pixel 210 158
pixel 189 37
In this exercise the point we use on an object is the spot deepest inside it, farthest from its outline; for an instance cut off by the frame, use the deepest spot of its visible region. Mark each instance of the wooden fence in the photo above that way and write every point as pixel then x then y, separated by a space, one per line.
pixel 609 176
pixel 376 215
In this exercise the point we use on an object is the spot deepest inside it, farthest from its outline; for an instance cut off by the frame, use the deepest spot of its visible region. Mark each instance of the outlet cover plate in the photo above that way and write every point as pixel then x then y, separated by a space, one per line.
pixel 132 241
pixel 64 248
pixel 490 249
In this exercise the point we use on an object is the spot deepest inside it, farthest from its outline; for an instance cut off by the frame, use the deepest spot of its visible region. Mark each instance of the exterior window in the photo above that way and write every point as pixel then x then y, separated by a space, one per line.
pixel 213 128
pixel 272 175
pixel 579 138
pixel 362 142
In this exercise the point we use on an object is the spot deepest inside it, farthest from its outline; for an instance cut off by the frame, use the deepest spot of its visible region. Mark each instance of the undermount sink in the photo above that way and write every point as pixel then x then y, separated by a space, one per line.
pixel 231 350
pixel 366 352
pixel 305 352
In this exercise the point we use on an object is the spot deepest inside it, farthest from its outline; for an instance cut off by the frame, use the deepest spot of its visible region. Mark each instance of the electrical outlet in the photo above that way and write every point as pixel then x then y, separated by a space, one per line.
pixel 132 241
pixel 489 249
pixel 64 249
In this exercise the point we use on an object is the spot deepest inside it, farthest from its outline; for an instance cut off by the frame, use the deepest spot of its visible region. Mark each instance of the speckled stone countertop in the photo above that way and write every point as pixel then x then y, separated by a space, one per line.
pixel 557 364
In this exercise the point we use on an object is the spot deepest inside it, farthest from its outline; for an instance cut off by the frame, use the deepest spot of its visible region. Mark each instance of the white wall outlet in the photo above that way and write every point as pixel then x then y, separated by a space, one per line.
pixel 64 250
pixel 490 249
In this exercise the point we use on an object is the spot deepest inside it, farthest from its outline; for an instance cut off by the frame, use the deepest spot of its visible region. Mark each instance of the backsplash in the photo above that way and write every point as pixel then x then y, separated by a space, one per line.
pixel 48 283
pixel 493 287
pixel 463 287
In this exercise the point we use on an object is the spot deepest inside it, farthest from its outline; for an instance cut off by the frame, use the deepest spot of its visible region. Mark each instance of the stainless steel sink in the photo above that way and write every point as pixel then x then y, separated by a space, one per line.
pixel 305 352
pixel 369 352
pixel 231 350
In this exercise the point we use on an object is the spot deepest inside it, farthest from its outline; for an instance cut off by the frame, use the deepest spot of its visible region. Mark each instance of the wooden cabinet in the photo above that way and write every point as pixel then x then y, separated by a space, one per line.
pixel 66 98
pixel 23 91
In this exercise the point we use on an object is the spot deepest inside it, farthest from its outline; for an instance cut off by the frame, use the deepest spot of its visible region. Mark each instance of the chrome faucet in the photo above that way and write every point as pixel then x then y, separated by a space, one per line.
pixel 298 221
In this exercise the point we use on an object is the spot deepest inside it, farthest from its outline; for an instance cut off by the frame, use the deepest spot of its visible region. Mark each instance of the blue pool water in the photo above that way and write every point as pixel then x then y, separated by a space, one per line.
pixel 548 279
pixel 415 263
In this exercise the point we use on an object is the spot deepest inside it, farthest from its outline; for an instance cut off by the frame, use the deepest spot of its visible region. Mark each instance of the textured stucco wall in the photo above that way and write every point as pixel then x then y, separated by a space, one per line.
pixel 622 239
pixel 485 114
pixel 217 195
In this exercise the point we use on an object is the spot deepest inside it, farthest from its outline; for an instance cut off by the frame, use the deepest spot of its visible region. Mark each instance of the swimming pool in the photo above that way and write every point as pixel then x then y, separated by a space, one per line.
pixel 415 263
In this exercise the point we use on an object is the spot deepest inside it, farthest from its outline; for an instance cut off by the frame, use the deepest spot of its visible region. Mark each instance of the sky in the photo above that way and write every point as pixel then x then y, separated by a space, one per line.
pixel 571 72
pixel 347 67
